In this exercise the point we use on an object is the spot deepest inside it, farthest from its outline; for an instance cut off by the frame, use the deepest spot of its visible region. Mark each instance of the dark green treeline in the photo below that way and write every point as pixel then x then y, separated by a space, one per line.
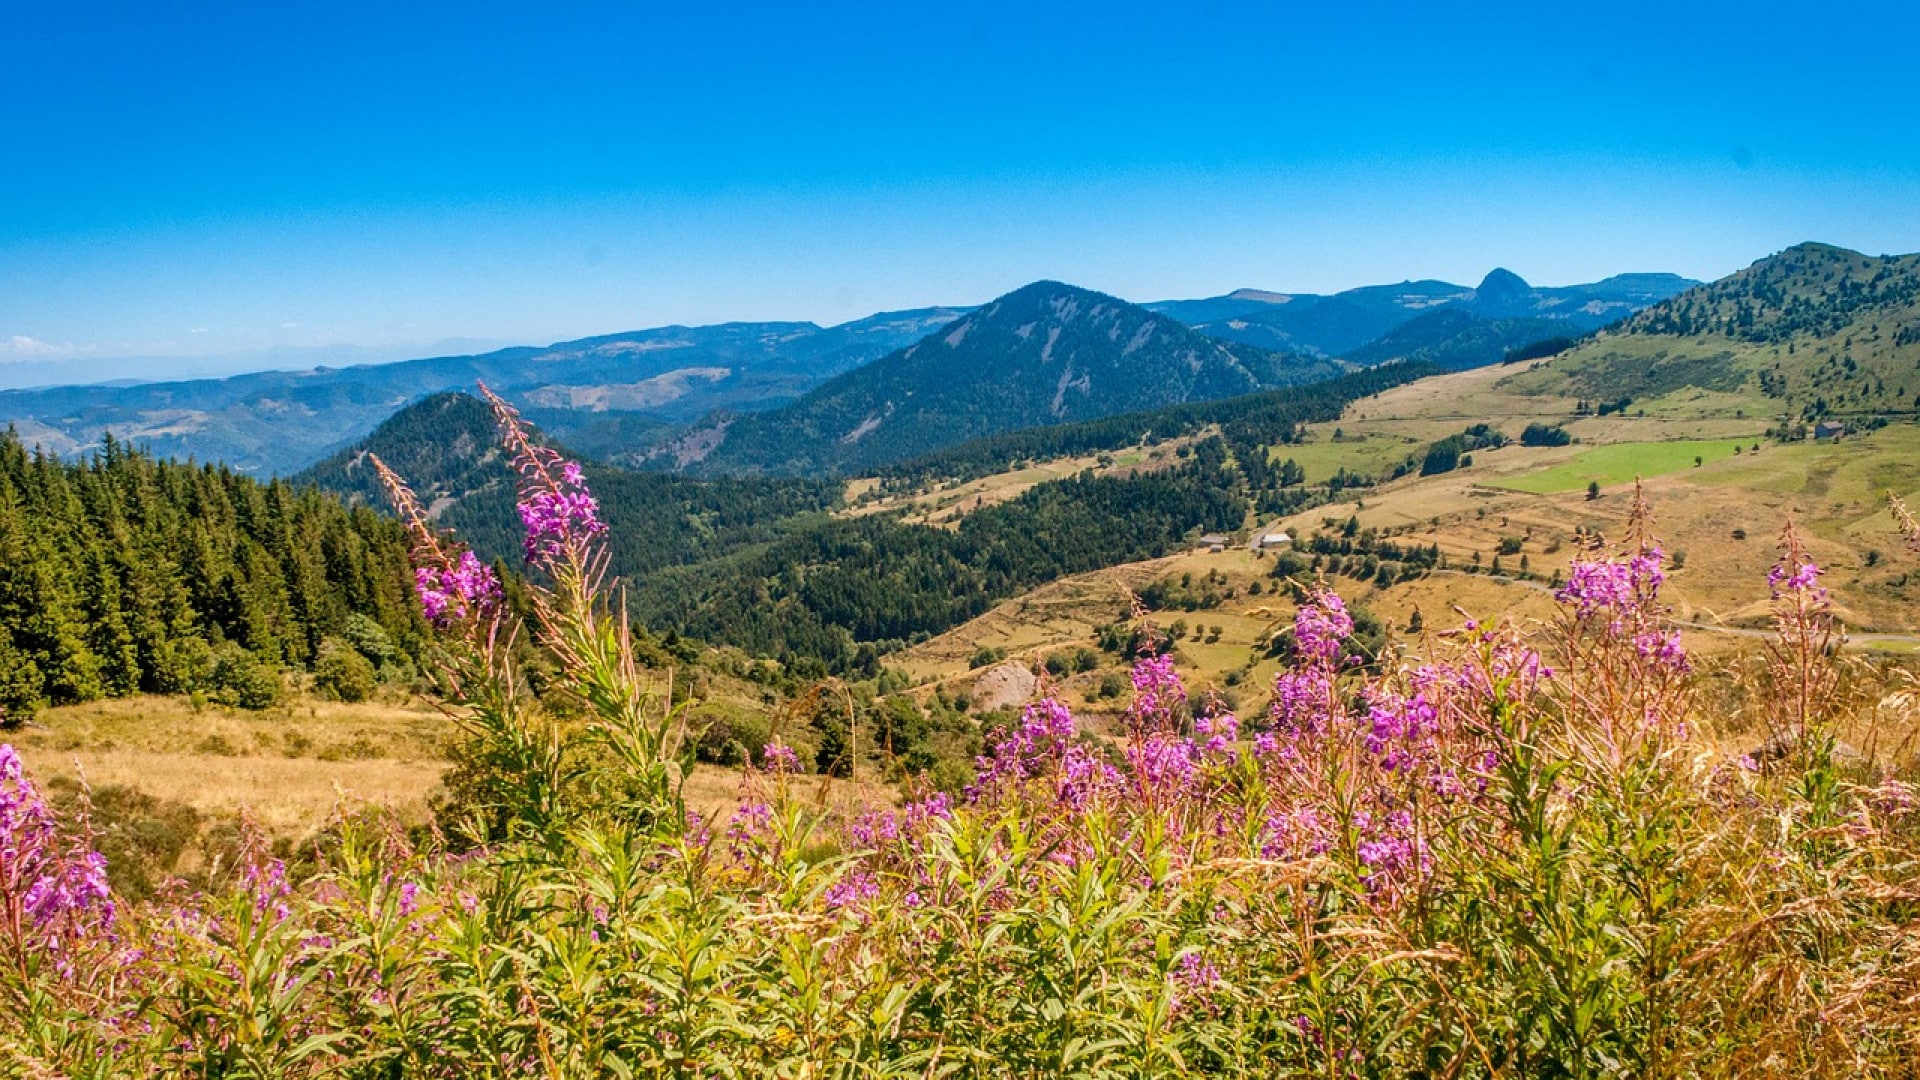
pixel 120 574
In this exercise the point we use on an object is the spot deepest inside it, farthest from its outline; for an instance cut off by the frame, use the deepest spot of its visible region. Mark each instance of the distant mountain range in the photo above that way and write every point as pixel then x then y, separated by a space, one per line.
pixel 1338 324
pixel 687 397
pixel 1045 354
pixel 596 392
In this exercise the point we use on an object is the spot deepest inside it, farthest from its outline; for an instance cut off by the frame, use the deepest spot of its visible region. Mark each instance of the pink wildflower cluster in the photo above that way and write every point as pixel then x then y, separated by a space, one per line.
pixel 557 509
pixel 1390 849
pixel 447 594
pixel 1321 628
pixel 1161 762
pixel 750 830
pixel 1296 832
pixel 1616 603
pixel 1301 697
pixel 1194 978
pixel 852 891
pixel 1042 746
pixel 1218 729
pixel 270 888
pixel 1797 574
pixel 1397 725
pixel 1614 587
pixel 51 894
pixel 1041 740
pixel 879 829
pixel 779 758
pixel 1157 693
pixel 557 515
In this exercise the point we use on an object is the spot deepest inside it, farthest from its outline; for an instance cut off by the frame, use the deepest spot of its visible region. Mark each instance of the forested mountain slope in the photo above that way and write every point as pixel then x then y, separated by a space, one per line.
pixel 447 449
pixel 120 573
pixel 753 562
pixel 1044 354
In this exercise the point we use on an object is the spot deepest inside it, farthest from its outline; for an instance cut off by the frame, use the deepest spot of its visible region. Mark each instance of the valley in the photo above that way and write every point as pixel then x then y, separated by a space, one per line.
pixel 950 577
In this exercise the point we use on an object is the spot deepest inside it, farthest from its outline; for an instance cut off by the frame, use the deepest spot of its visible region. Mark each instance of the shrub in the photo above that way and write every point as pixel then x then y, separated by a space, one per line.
pixel 986 656
pixel 342 673
pixel 1545 435
pixel 728 736
pixel 141 836
pixel 240 679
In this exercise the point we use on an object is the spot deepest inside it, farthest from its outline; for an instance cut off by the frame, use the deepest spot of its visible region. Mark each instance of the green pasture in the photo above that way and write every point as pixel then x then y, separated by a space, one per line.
pixel 1621 463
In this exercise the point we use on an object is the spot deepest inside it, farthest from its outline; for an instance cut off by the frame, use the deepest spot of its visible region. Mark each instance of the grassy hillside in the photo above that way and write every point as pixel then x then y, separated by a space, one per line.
pixel 1811 333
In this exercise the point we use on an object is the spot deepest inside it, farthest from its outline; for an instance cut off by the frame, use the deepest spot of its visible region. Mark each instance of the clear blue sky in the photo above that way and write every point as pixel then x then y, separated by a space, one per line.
pixel 182 179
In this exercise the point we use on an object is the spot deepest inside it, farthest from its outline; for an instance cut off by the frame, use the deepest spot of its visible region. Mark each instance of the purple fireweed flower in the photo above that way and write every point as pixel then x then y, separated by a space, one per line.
pixel 1157 692
pixel 1032 749
pixel 779 758
pixel 1596 586
pixel 60 891
pixel 1193 978
pixel 920 814
pixel 1301 699
pixel 1296 834
pixel 450 593
pixel 1217 726
pixel 1621 590
pixel 1802 578
pixel 1080 777
pixel 1389 849
pixel 1161 763
pixel 1663 648
pixel 873 829
pixel 1195 972
pixel 749 828
pixel 1321 627
pixel 1395 723
pixel 270 888
pixel 1047 721
pixel 1042 746
pixel 853 890
pixel 559 516
pixel 75 885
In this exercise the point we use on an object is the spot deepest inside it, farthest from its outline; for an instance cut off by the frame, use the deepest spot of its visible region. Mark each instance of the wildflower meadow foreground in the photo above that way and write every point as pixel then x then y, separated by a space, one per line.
pixel 1512 851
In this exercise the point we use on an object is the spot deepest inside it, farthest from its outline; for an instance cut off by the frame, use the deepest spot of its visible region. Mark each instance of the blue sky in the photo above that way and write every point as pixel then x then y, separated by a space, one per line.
pixel 200 180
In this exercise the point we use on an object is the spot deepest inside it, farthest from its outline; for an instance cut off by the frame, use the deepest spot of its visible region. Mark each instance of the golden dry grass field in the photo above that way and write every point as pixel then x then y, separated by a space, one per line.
pixel 290 769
